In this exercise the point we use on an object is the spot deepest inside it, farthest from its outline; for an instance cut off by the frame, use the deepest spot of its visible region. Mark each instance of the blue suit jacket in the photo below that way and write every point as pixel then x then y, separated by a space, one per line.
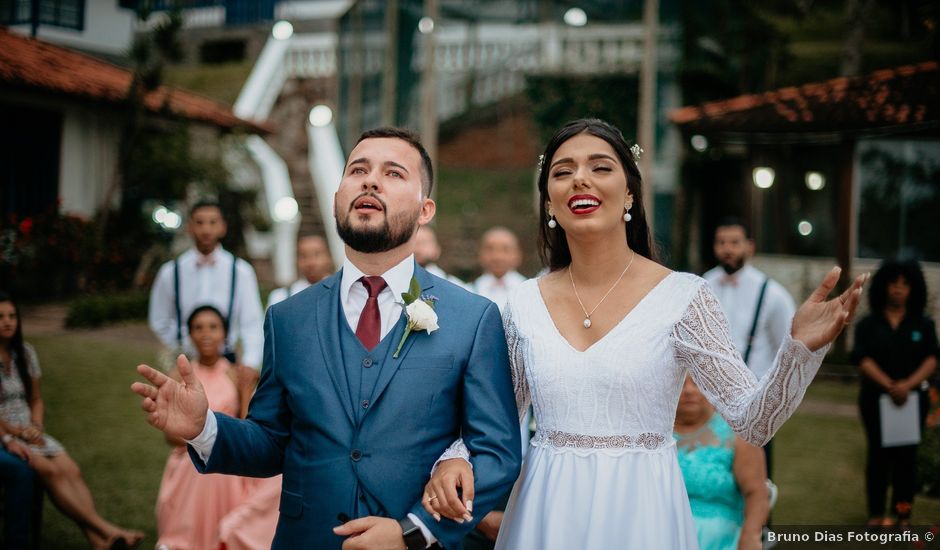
pixel 454 382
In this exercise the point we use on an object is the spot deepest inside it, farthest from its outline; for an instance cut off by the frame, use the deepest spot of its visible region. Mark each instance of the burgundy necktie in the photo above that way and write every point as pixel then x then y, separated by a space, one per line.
pixel 370 322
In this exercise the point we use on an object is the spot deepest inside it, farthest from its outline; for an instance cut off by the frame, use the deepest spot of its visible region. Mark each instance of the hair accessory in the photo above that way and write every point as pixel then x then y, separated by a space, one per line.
pixel 541 163
pixel 636 151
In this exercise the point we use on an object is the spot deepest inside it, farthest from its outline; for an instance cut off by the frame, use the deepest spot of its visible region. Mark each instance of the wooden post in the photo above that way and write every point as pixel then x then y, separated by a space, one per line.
pixel 390 71
pixel 646 113
pixel 846 224
pixel 429 121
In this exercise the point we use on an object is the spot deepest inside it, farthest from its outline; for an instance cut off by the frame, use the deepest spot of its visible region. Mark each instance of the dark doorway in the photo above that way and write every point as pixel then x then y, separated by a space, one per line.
pixel 29 154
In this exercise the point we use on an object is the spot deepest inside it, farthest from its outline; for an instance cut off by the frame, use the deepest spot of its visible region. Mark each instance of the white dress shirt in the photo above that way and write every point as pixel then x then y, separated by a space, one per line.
pixel 353 296
pixel 207 280
pixel 737 294
pixel 497 289
pixel 280 294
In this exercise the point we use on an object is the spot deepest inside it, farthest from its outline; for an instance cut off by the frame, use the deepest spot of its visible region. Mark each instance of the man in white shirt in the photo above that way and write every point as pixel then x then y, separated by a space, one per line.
pixel 759 309
pixel 207 274
pixel 313 263
pixel 500 257
pixel 356 420
pixel 428 252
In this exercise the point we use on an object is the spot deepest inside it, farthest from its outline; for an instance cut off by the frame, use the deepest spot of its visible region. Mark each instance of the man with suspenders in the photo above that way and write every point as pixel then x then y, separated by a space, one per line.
pixel 759 309
pixel 209 274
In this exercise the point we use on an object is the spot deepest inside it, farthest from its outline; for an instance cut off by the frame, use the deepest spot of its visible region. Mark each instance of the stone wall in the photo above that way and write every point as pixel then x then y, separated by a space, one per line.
pixel 801 275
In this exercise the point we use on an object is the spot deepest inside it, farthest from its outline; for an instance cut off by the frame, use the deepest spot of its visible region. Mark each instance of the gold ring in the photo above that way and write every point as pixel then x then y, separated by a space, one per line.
pixel 431 498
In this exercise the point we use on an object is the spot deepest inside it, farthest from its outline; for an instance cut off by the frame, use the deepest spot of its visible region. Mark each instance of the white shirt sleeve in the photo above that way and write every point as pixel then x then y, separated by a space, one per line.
pixel 250 317
pixel 204 442
pixel 428 535
pixel 779 314
pixel 161 313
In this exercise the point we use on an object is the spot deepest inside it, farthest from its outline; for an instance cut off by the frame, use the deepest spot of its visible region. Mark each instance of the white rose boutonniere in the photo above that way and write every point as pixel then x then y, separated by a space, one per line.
pixel 419 309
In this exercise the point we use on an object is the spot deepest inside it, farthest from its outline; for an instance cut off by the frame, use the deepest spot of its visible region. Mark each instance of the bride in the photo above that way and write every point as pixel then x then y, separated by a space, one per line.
pixel 601 346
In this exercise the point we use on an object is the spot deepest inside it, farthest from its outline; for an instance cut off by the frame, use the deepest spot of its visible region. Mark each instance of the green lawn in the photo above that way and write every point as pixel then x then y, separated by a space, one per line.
pixel 91 410
pixel 221 82
pixel 820 457
pixel 820 462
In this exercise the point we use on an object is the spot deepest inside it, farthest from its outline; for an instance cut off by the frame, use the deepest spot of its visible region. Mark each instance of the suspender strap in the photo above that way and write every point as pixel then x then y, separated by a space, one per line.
pixel 179 312
pixel 760 302
pixel 231 294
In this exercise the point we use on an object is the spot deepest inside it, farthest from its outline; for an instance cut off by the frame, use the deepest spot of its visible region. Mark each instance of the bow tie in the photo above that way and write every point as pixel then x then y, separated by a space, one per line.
pixel 202 261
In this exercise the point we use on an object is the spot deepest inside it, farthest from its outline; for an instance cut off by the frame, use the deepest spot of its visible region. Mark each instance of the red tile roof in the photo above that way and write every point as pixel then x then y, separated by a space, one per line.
pixel 907 96
pixel 31 64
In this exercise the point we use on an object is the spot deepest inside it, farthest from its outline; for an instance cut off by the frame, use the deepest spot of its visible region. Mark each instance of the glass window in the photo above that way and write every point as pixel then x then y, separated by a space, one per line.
pixel 898 199
pixel 68 14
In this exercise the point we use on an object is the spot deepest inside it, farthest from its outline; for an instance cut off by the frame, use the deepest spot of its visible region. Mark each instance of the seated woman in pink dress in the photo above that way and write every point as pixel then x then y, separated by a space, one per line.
pixel 190 505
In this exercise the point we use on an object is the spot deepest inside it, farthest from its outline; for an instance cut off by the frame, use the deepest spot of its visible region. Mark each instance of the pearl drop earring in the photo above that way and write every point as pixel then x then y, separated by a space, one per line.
pixel 552 224
pixel 626 215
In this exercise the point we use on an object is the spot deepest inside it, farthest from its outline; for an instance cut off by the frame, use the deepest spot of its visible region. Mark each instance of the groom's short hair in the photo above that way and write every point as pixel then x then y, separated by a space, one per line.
pixel 409 137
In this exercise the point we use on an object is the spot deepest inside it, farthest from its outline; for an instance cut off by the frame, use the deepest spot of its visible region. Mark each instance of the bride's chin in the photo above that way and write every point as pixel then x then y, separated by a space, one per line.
pixel 593 229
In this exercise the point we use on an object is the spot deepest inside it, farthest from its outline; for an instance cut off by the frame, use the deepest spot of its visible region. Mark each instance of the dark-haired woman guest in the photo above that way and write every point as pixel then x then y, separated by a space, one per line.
pixel 601 347
pixel 21 420
pixel 896 351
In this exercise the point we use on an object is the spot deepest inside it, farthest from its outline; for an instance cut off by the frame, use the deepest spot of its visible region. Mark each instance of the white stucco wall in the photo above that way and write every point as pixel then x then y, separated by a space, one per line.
pixel 88 159
pixel 108 29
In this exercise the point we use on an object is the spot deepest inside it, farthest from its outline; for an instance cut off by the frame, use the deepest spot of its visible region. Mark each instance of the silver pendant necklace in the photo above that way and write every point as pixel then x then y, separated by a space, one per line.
pixel 587 314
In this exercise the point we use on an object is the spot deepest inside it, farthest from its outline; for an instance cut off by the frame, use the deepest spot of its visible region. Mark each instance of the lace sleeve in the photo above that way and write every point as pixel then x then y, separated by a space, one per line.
pixel 515 343
pixel 457 449
pixel 755 409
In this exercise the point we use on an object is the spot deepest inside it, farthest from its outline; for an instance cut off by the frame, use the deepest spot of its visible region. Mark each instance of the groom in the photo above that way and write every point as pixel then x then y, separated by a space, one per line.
pixel 354 429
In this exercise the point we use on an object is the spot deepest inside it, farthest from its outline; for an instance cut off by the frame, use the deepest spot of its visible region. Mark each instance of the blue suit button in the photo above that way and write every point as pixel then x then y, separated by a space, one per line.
pixel 367 362
pixel 365 403
pixel 356 455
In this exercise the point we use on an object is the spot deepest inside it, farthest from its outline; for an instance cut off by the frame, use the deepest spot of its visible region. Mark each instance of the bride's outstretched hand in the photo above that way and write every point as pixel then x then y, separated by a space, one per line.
pixel 819 321
pixel 177 408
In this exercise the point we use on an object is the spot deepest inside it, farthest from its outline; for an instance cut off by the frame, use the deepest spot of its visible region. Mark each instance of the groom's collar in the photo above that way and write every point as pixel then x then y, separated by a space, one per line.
pixel 398 278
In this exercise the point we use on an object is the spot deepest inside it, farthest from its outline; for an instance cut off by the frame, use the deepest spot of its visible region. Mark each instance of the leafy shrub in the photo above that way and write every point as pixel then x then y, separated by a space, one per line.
pixel 928 456
pixel 94 311
pixel 49 256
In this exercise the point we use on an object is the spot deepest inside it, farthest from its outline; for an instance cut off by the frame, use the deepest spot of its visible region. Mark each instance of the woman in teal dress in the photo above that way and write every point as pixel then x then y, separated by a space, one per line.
pixel 725 476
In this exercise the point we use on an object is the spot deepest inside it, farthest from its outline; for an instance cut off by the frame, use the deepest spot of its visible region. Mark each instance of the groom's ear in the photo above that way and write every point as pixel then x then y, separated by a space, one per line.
pixel 428 209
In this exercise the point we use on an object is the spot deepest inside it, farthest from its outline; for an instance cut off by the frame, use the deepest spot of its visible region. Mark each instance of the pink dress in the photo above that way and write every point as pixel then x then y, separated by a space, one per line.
pixel 251 526
pixel 190 505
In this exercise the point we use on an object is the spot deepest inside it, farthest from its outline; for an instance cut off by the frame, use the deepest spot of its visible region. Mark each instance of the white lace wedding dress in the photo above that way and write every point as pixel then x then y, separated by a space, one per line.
pixel 601 471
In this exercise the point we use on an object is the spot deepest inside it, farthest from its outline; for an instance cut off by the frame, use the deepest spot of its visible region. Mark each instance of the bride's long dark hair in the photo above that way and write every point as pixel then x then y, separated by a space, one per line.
pixel 553 244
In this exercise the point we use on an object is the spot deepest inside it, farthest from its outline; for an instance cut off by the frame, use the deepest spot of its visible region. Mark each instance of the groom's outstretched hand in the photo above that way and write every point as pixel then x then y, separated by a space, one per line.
pixel 178 409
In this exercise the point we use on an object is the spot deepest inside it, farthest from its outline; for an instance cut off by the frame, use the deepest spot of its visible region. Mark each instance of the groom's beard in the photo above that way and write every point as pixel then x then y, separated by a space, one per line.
pixel 391 234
